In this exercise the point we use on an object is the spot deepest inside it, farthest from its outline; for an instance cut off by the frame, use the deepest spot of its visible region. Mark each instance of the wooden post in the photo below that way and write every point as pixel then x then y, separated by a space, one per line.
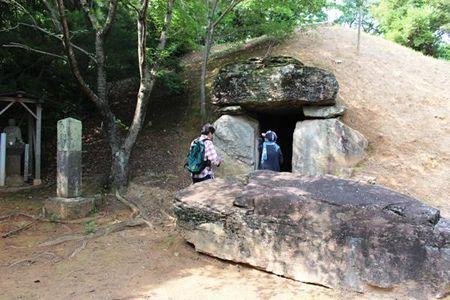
pixel 359 25
pixel 26 163
pixel 30 142
pixel 37 150
pixel 2 158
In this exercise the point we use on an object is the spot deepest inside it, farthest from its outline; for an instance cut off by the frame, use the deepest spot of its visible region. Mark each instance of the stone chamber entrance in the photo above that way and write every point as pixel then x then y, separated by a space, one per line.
pixel 296 101
pixel 284 126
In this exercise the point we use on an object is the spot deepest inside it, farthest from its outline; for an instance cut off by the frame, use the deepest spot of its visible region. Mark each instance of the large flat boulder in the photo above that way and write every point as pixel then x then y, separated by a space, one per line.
pixel 326 147
pixel 235 140
pixel 324 230
pixel 276 85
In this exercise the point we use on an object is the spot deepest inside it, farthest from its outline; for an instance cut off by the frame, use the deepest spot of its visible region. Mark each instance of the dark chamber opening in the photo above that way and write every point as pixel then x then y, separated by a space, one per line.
pixel 284 126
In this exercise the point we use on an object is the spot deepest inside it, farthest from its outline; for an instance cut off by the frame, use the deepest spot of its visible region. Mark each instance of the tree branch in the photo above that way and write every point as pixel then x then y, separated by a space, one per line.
pixel 147 77
pixel 229 8
pixel 28 48
pixel 59 38
pixel 10 28
pixel 71 56
pixel 109 20
pixel 90 15
pixel 133 6
pixel 99 99
pixel 53 15
pixel 21 7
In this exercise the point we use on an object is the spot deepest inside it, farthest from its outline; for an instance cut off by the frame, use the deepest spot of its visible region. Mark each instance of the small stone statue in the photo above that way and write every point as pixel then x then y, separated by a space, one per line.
pixel 13 134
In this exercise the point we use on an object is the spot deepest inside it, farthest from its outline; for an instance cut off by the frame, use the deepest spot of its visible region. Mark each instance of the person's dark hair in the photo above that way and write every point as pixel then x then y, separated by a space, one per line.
pixel 208 128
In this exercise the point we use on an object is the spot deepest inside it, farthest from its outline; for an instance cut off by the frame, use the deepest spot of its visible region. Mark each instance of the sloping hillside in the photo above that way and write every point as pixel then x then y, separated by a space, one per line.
pixel 398 98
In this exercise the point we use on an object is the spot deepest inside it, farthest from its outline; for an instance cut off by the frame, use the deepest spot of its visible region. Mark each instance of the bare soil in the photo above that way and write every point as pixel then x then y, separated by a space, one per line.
pixel 141 263
pixel 396 97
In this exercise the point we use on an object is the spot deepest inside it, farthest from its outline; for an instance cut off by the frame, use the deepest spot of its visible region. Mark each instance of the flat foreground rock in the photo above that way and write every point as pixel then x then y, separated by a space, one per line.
pixel 323 230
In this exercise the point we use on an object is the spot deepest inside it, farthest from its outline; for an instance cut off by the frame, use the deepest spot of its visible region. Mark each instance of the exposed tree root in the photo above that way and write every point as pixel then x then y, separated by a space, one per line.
pixel 22 228
pixel 17 214
pixel 78 250
pixel 135 211
pixel 137 218
pixel 31 258
pixel 100 232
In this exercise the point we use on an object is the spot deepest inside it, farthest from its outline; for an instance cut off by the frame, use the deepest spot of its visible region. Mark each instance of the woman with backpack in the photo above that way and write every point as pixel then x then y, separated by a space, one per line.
pixel 271 157
pixel 203 155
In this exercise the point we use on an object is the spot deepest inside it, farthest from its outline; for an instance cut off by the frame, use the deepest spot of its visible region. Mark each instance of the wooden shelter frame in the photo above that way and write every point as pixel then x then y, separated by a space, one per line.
pixel 33 106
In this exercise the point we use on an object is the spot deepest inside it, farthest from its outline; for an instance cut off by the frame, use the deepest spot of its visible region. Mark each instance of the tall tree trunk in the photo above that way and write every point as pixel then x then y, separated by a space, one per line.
pixel 208 44
pixel 120 149
pixel 211 26
pixel 120 169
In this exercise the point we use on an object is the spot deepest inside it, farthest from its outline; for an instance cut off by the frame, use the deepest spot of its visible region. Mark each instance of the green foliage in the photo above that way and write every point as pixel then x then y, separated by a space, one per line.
pixel 52 218
pixel 418 24
pixel 49 77
pixel 253 18
pixel 350 13
pixel 172 82
pixel 90 227
pixel 94 211
pixel 444 52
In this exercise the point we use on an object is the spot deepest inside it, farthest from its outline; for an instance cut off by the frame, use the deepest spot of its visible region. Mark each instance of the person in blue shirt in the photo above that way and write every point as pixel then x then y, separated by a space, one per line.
pixel 271 157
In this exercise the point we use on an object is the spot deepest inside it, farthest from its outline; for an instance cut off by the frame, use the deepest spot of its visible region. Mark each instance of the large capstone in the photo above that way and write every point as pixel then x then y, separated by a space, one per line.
pixel 274 85
pixel 235 140
pixel 326 147
pixel 324 230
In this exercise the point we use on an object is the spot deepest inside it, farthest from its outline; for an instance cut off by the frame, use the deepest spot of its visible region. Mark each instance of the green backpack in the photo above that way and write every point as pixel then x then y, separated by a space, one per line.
pixel 195 161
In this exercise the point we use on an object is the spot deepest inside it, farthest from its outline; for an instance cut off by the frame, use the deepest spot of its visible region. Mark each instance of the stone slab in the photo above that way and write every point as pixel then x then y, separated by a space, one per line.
pixel 235 140
pixel 326 146
pixel 320 229
pixel 68 208
pixel 231 110
pixel 324 112
pixel 273 85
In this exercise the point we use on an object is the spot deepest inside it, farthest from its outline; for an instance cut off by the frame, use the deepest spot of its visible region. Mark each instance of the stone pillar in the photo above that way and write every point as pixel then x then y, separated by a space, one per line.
pixel 326 146
pixel 26 163
pixel 236 143
pixel 69 203
pixel 2 158
pixel 69 159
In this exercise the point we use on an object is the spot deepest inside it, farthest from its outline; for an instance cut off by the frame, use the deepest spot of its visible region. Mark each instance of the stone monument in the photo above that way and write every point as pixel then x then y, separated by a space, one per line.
pixel 14 150
pixel 284 90
pixel 69 203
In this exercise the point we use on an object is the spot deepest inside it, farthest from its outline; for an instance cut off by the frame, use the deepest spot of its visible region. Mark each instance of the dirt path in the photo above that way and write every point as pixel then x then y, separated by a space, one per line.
pixel 139 263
